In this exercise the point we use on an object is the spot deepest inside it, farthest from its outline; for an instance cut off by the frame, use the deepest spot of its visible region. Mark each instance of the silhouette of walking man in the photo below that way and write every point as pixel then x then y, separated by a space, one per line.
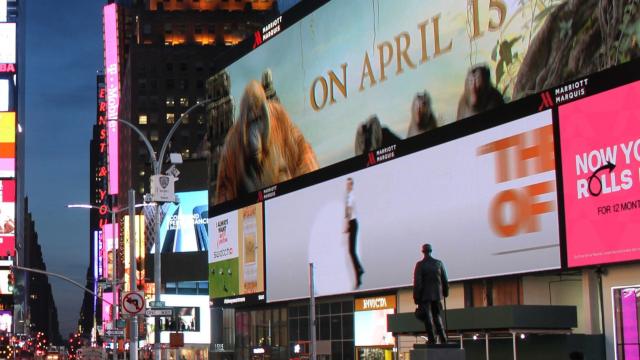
pixel 430 285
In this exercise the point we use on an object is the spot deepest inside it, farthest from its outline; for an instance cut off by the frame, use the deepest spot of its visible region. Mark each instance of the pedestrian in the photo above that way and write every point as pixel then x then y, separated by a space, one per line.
pixel 430 285
pixel 351 227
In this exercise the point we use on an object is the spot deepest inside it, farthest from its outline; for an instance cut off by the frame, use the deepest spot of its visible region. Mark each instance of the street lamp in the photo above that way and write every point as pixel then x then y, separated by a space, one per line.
pixel 156 162
pixel 114 304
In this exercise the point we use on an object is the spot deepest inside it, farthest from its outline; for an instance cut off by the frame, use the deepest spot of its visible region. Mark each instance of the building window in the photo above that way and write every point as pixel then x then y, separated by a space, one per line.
pixel 184 101
pixel 146 29
pixel 142 119
pixel 183 84
pixel 168 28
pixel 154 135
pixel 169 67
pixel 170 101
pixel 185 119
pixel 171 118
pixel 198 29
pixel 171 84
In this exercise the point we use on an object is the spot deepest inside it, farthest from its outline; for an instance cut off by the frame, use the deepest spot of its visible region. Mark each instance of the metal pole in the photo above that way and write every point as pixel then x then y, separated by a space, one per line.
pixel 486 344
pixel 312 323
pixel 133 331
pixel 114 286
pixel 156 280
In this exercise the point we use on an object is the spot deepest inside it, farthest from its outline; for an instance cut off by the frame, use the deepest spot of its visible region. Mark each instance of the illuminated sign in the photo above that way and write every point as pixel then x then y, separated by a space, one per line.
pixel 3 10
pixel 112 79
pixel 600 162
pixel 139 251
pixel 7 144
pixel 107 314
pixel 370 320
pixel 191 316
pixel 8 68
pixel 4 94
pixel 101 173
pixel 7 217
pixel 7 43
pixel 184 225
pixel 108 242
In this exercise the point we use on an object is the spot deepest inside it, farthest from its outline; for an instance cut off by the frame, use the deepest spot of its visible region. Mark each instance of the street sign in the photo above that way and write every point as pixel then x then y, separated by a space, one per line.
pixel 115 332
pixel 159 312
pixel 162 188
pixel 156 304
pixel 133 302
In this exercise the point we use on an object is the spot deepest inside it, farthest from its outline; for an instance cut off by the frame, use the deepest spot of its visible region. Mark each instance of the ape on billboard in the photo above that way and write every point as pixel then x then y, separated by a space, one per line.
pixel 352 77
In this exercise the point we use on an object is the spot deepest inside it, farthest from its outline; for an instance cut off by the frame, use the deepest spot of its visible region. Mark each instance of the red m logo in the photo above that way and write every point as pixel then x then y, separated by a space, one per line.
pixel 260 196
pixel 257 39
pixel 371 160
pixel 547 101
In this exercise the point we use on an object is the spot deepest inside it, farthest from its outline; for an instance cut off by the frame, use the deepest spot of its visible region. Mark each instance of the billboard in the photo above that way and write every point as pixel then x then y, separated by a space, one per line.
pixel 108 242
pixel 7 144
pixel 184 225
pixel 107 313
pixel 192 318
pixel 7 217
pixel 139 252
pixel 600 162
pixel 6 320
pixel 236 256
pixel 370 320
pixel 112 85
pixel 350 78
pixel 4 94
pixel 489 196
pixel 7 43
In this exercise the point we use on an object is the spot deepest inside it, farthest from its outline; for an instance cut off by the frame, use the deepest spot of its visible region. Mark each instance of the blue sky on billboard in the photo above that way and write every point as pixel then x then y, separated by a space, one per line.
pixel 184 225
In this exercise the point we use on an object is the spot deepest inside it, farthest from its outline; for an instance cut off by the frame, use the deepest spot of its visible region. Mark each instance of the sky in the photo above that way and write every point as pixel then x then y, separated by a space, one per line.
pixel 63 53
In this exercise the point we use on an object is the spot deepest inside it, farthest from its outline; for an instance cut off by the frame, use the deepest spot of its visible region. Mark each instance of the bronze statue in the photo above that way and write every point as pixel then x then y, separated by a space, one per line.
pixel 430 285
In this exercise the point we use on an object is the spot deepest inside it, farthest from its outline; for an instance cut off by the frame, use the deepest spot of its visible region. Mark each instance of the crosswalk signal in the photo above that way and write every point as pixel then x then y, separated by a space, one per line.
pixel 11 280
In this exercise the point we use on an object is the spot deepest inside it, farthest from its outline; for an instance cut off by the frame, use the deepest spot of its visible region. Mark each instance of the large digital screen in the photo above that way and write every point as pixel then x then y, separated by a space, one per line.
pixel 6 320
pixel 600 150
pixel 7 217
pixel 7 144
pixel 139 247
pixel 352 77
pixel 370 321
pixel 108 253
pixel 7 43
pixel 236 256
pixel 3 10
pixel 489 196
pixel 191 317
pixel 112 81
pixel 184 225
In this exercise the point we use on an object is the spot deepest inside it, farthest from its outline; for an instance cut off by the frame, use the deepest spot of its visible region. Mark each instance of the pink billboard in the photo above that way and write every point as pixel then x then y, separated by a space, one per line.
pixel 107 248
pixel 7 217
pixel 600 150
pixel 112 80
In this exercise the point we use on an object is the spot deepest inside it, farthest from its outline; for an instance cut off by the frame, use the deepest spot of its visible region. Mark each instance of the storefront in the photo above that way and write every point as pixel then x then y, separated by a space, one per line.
pixel 372 340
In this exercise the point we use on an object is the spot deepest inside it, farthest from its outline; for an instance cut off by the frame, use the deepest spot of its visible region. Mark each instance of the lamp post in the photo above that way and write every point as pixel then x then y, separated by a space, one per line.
pixel 156 163
pixel 114 305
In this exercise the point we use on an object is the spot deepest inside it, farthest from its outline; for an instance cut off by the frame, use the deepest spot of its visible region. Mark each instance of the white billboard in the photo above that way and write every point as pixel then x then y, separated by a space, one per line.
pixel 7 43
pixel 486 202
pixel 192 318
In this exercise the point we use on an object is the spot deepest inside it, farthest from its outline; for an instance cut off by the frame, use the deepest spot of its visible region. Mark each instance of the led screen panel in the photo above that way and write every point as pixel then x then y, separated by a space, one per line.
pixel 108 248
pixel 483 197
pixel 6 320
pixel 112 81
pixel 600 171
pixel 7 144
pixel 370 321
pixel 7 217
pixel 193 318
pixel 3 10
pixel 4 95
pixel 7 43
pixel 236 256
pixel 139 247
pixel 184 225
pixel 352 77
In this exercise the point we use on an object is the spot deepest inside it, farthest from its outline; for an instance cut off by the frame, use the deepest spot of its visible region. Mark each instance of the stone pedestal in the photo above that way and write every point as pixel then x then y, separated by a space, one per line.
pixel 437 352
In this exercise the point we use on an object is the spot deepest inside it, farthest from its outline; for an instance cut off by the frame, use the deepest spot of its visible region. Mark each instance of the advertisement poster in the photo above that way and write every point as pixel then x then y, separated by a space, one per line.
pixel 370 321
pixel 236 256
pixel 601 176
pixel 355 76
pixel 7 144
pixel 192 318
pixel 490 197
pixel 184 224
pixel 7 217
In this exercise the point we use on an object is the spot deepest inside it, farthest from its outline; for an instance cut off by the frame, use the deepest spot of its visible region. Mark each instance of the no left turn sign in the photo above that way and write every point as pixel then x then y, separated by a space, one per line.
pixel 133 302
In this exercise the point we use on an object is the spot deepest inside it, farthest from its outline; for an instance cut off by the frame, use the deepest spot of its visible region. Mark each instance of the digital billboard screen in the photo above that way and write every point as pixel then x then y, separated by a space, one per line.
pixel 350 78
pixel 7 217
pixel 4 95
pixel 112 85
pixel 7 144
pixel 183 227
pixel 600 150
pixel 370 321
pixel 7 43
pixel 489 196
pixel 192 318
pixel 236 256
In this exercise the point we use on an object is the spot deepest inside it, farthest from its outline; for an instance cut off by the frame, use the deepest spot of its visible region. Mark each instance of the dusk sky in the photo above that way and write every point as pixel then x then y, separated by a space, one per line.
pixel 64 51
